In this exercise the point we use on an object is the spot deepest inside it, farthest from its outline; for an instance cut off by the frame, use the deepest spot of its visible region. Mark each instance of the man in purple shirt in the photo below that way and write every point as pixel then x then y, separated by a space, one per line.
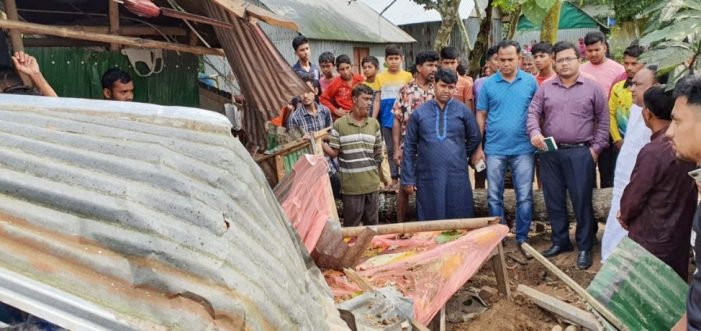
pixel 573 110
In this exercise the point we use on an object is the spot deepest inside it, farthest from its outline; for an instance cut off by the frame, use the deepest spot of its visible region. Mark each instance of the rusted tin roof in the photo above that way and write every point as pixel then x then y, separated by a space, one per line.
pixel 153 214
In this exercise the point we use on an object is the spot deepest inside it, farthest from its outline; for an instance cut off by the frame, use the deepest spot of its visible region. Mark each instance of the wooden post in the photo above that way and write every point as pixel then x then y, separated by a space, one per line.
pixel 499 265
pixel 15 35
pixel 561 308
pixel 607 314
pixel 114 22
pixel 279 167
pixel 411 227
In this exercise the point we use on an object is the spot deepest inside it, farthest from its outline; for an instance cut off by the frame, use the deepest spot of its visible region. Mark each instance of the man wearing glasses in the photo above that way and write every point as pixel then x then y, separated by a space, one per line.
pixel 574 112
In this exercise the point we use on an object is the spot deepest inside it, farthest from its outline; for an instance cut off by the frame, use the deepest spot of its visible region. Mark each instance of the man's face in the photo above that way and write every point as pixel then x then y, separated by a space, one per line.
pixel 362 103
pixel 345 70
pixel 308 96
pixel 427 70
pixel 120 91
pixel 450 64
pixel 566 63
pixel 685 130
pixel 394 62
pixel 542 61
pixel 642 81
pixel 444 91
pixel 508 60
pixel 632 65
pixel 303 52
pixel 369 70
pixel 528 65
pixel 596 52
pixel 493 63
pixel 326 69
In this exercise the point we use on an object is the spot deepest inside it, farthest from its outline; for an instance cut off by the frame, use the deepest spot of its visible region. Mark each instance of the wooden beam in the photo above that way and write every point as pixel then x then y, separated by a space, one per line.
pixel 133 30
pixel 105 38
pixel 15 35
pixel 607 314
pixel 194 18
pixel 499 265
pixel 411 227
pixel 240 8
pixel 114 22
pixel 59 42
pixel 561 308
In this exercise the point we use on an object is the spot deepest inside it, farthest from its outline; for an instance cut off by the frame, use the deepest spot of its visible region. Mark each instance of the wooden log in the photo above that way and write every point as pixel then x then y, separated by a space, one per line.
pixel 605 312
pixel 499 265
pixel 388 205
pixel 438 225
pixel 52 30
pixel 114 22
pixel 561 308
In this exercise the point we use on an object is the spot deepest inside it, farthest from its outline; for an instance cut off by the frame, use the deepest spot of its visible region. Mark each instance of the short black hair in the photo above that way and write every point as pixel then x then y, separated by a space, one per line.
pixel 327 57
pixel 491 51
pixel 9 78
pixel 563 46
pixel 542 47
pixel 362 89
pixel 113 75
pixel 343 58
pixel 299 41
pixel 449 53
pixel 634 50
pixel 446 76
pixel 659 79
pixel 659 102
pixel 689 87
pixel 393 49
pixel 427 56
pixel 504 44
pixel 462 69
pixel 306 77
pixel 370 59
pixel 594 37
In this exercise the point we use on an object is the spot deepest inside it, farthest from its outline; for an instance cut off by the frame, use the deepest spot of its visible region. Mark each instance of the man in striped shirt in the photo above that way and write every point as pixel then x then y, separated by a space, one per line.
pixel 357 143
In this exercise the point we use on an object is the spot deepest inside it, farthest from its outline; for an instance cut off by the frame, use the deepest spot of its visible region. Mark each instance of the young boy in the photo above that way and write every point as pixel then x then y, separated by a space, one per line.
pixel 304 66
pixel 390 81
pixel 542 58
pixel 370 65
pixel 337 97
pixel 326 64
pixel 463 90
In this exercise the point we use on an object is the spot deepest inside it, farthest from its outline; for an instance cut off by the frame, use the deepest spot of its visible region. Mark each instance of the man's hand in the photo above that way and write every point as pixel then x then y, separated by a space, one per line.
pixel 682 325
pixel 397 156
pixel 538 141
pixel 620 221
pixel 618 144
pixel 26 64
pixel 409 189
pixel 594 155
pixel 477 156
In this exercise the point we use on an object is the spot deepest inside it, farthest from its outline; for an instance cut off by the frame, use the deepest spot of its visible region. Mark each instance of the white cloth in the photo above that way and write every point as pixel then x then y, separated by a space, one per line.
pixel 637 136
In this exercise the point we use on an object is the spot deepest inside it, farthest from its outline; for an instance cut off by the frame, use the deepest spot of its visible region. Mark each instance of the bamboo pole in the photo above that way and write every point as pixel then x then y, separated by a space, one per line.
pixel 607 314
pixel 15 35
pixel 114 22
pixel 411 227
pixel 105 38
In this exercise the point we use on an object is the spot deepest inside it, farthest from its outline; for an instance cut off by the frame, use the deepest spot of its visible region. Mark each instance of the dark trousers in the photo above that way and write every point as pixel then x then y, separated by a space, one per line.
pixel 361 208
pixel 569 170
pixel 607 165
pixel 389 143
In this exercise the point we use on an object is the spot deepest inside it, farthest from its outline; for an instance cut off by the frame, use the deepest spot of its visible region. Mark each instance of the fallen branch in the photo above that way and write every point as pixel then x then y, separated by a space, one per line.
pixel 412 227
pixel 561 308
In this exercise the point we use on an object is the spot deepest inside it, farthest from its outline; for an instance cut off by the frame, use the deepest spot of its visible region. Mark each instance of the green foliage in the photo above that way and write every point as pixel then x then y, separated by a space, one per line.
pixel 536 10
pixel 673 35
pixel 627 10
pixel 507 6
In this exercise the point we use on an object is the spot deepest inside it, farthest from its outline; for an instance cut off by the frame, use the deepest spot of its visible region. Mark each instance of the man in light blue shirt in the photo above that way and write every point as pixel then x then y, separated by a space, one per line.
pixel 502 107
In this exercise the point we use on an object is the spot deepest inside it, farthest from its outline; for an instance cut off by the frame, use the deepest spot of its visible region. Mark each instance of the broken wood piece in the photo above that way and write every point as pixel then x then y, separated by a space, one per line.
pixel 412 227
pixel 293 146
pixel 517 259
pixel 561 308
pixel 355 252
pixel 194 18
pixel 499 265
pixel 114 23
pixel 607 314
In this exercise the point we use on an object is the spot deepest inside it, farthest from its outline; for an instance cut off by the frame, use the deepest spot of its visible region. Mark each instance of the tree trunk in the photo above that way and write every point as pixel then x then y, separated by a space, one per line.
pixel 450 14
pixel 548 31
pixel 482 42
pixel 388 205
pixel 513 22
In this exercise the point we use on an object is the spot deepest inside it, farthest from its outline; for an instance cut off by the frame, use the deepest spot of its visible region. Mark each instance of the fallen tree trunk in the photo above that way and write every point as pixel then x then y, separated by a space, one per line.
pixel 388 205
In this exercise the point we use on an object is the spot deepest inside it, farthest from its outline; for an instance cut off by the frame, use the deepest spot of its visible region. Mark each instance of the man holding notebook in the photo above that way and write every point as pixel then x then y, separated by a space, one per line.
pixel 574 112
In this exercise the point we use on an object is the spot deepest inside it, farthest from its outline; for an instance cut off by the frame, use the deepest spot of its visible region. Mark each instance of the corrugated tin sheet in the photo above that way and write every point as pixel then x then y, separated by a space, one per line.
pixel 403 12
pixel 571 35
pixel 341 20
pixel 642 291
pixel 155 214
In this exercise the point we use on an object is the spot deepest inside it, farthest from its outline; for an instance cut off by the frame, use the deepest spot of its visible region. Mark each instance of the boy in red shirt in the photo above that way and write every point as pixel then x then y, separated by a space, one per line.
pixel 337 97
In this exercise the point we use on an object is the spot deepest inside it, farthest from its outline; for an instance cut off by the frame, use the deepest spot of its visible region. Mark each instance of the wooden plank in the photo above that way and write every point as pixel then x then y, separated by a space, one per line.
pixel 114 22
pixel 279 167
pixel 241 8
pixel 499 265
pixel 607 314
pixel 194 18
pixel 561 308
pixel 15 35
pixel 105 38
pixel 411 227
pixel 133 30
pixel 293 146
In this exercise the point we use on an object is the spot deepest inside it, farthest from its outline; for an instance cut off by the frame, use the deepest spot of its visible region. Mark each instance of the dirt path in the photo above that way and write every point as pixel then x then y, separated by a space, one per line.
pixel 462 311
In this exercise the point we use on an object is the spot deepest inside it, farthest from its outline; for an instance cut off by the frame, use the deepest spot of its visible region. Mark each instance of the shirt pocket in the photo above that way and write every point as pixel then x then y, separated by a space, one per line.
pixel 581 108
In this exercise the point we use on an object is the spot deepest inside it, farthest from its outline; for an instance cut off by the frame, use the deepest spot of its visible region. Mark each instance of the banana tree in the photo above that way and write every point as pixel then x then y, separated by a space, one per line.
pixel 449 11
pixel 545 12
pixel 673 35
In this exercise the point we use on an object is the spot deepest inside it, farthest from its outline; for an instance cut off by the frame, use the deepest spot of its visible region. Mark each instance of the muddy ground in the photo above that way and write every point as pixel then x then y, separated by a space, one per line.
pixel 464 312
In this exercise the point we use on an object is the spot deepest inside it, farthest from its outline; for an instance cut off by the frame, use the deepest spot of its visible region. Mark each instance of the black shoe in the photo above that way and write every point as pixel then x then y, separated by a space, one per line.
pixel 584 260
pixel 525 254
pixel 556 250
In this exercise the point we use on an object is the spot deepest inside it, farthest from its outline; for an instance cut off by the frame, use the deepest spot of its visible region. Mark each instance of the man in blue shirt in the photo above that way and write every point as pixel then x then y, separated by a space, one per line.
pixel 502 107
pixel 304 66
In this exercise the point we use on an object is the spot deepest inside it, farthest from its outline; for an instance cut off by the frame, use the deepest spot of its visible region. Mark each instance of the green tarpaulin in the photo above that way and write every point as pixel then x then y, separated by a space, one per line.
pixel 76 72
pixel 571 17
